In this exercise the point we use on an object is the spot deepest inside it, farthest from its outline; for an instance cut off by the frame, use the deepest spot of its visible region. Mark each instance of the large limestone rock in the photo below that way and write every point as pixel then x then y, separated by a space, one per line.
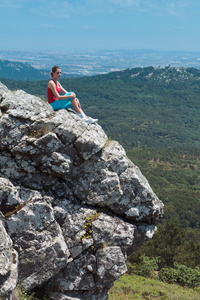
pixel 8 262
pixel 73 205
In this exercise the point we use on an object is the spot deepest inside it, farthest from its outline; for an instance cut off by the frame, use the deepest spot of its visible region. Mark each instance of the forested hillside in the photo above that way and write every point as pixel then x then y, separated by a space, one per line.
pixel 155 114
pixel 21 71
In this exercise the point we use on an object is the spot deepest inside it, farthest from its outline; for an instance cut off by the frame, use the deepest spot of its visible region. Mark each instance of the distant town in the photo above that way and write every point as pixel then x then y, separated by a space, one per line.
pixel 79 63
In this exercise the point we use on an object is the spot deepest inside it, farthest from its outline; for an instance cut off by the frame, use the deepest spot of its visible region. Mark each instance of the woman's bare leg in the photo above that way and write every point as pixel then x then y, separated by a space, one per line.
pixel 76 104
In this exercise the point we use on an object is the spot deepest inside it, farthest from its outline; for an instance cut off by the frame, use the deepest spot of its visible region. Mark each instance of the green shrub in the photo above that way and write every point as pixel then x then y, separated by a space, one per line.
pixel 148 265
pixel 182 275
pixel 133 268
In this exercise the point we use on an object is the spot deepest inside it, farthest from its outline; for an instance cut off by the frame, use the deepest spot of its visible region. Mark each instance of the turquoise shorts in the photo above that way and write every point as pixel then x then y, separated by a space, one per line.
pixel 63 104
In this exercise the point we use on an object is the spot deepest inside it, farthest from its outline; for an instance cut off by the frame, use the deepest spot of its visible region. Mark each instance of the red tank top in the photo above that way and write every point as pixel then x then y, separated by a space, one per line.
pixel 50 95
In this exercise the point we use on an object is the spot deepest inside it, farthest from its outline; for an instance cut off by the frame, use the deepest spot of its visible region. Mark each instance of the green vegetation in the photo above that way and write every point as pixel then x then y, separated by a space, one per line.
pixel 155 115
pixel 182 275
pixel 21 71
pixel 88 225
pixel 136 287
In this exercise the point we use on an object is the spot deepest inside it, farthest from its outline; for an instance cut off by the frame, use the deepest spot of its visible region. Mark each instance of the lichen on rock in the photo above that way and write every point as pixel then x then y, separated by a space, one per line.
pixel 73 206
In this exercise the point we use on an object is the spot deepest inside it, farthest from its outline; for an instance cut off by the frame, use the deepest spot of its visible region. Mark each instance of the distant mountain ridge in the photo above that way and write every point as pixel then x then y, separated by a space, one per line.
pixel 21 71
pixel 78 63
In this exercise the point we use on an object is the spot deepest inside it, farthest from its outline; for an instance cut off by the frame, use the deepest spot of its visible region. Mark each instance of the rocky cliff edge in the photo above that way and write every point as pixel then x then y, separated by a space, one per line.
pixel 73 206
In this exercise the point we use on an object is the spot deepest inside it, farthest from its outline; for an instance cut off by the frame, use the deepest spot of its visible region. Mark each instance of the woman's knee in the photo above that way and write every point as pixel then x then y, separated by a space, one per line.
pixel 77 101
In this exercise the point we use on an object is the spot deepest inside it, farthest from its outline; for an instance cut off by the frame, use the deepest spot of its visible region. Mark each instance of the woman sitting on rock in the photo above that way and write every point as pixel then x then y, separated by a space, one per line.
pixel 68 100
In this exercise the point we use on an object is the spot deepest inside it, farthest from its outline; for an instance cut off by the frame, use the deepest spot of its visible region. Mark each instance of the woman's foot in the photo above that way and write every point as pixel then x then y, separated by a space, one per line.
pixel 88 120
pixel 91 120
pixel 82 116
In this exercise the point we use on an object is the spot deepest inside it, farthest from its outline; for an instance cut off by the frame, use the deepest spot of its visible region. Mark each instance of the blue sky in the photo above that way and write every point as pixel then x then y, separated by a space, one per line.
pixel 99 25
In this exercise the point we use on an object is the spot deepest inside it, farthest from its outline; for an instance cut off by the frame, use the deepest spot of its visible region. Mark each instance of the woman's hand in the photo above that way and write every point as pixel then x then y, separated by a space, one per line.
pixel 73 95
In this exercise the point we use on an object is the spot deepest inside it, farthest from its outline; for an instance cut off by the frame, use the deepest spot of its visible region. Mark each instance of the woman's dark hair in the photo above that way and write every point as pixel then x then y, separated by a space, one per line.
pixel 54 70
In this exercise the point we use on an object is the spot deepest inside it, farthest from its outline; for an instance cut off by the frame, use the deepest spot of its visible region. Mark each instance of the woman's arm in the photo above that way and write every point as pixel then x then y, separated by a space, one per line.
pixel 52 86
